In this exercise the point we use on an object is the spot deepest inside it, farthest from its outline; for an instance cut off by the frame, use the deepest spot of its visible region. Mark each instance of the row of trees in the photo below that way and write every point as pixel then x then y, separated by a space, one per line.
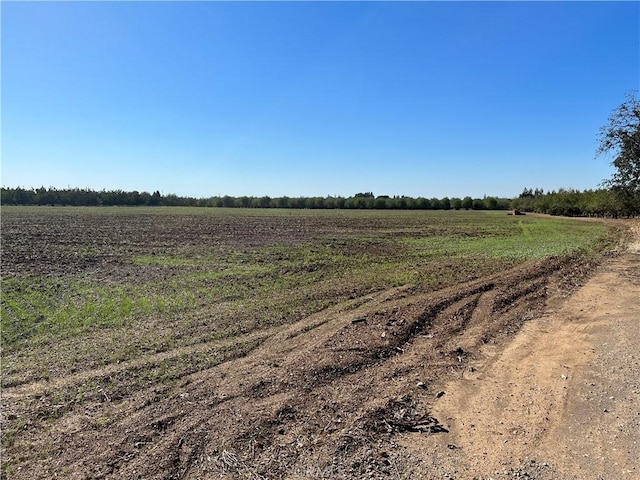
pixel 572 203
pixel 77 197
pixel 87 197
pixel 569 202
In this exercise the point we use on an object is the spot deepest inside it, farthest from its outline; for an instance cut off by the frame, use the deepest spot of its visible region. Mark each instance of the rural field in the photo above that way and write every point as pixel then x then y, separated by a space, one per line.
pixel 170 343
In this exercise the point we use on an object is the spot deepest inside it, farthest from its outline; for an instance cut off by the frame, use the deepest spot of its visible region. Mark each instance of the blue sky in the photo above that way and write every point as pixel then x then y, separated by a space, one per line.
pixel 313 98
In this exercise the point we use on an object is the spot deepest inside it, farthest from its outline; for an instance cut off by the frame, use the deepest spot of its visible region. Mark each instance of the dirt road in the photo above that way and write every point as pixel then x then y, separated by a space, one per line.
pixel 562 400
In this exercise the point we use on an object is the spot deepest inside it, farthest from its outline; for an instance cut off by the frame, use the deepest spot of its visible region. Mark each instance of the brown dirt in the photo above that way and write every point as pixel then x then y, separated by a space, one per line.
pixel 505 376
pixel 562 399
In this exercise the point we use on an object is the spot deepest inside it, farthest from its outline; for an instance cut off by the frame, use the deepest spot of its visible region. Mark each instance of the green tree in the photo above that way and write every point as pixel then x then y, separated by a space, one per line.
pixel 381 202
pixel 621 137
pixel 282 202
pixel 477 204
pixel 318 202
pixel 491 203
pixel 155 198
pixel 423 203
pixel 265 202
pixel 8 196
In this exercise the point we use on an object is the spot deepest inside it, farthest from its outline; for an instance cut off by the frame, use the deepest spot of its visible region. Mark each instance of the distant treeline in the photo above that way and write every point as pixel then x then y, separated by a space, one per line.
pixel 367 200
pixel 573 203
pixel 569 202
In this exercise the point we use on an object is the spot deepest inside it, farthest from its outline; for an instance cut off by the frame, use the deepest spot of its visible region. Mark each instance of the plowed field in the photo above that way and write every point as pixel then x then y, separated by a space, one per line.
pixel 204 343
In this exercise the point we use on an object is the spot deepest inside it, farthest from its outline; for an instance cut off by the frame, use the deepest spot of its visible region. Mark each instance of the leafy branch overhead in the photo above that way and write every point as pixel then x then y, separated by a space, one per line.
pixel 621 137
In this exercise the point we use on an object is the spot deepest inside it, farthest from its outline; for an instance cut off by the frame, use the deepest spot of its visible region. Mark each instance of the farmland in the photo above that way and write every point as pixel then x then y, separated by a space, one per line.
pixel 196 343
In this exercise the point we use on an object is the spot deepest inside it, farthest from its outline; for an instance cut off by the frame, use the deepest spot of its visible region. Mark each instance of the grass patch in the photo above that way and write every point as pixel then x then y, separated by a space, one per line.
pixel 526 239
pixel 45 309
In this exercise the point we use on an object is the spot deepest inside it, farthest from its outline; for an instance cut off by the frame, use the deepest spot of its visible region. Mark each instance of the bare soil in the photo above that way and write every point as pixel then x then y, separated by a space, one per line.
pixel 533 372
pixel 562 398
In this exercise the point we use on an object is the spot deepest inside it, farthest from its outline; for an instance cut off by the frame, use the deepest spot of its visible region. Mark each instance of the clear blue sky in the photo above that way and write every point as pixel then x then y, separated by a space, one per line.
pixel 302 99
